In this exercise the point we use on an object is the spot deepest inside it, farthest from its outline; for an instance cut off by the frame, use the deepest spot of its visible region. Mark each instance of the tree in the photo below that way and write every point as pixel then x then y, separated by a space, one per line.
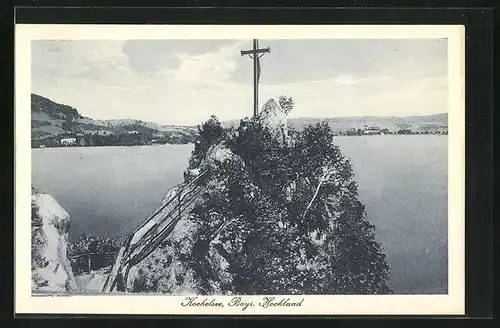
pixel 101 250
pixel 210 133
pixel 286 103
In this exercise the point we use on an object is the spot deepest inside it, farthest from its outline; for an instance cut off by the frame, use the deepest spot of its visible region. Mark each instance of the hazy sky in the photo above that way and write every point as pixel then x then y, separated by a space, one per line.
pixel 185 81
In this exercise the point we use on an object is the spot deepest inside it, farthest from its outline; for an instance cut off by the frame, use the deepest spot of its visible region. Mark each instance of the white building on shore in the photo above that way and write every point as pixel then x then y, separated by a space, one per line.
pixel 68 141
pixel 372 130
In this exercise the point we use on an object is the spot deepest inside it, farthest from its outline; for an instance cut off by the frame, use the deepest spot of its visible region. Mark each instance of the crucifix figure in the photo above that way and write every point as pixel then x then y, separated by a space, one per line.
pixel 255 54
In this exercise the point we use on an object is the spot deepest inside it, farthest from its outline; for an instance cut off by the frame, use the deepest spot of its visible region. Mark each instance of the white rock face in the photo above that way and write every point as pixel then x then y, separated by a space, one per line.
pixel 272 114
pixel 218 154
pixel 274 117
pixel 158 267
pixel 52 269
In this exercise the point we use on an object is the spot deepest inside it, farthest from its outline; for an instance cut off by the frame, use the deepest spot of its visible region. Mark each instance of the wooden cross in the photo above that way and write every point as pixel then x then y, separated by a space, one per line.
pixel 255 54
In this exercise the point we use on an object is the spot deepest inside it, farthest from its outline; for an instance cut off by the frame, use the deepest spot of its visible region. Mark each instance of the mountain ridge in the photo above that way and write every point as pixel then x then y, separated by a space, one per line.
pixel 51 120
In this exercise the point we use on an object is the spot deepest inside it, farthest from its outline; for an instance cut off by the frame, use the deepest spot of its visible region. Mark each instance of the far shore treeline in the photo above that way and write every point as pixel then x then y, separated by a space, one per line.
pixel 119 139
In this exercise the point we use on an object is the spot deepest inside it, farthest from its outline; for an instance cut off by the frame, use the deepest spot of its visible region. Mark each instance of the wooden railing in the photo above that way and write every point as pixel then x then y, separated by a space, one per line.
pixel 140 244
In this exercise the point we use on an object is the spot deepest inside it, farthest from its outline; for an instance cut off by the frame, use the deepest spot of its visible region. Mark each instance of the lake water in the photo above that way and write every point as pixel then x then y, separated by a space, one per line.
pixel 402 182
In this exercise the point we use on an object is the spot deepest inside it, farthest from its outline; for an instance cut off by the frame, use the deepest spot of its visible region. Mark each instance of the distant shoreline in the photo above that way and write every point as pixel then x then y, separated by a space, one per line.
pixel 185 144
pixel 113 146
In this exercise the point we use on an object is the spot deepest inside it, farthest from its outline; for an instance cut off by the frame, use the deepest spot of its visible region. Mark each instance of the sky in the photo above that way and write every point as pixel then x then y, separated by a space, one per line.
pixel 186 81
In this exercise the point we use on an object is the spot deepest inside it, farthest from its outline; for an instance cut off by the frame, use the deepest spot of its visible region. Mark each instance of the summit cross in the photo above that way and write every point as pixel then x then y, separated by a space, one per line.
pixel 256 54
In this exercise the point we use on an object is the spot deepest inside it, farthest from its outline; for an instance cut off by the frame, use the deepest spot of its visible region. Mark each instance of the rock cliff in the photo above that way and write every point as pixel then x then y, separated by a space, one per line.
pixel 50 268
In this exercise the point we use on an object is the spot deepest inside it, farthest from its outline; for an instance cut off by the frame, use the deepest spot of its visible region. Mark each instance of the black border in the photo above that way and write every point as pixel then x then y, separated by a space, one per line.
pixel 250 15
pixel 479 105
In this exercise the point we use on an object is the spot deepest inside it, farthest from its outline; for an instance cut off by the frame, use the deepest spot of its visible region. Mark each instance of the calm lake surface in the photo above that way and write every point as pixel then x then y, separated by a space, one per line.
pixel 402 181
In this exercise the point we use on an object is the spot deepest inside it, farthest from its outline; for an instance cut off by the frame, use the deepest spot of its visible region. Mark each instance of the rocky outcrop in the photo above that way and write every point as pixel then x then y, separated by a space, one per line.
pixel 272 114
pixel 275 118
pixel 279 214
pixel 165 270
pixel 50 268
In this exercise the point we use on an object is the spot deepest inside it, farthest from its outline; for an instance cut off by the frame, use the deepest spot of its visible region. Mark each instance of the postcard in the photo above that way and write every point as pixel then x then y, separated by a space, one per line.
pixel 239 170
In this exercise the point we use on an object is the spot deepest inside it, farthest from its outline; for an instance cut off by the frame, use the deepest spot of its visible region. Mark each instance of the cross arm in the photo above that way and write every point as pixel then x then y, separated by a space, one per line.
pixel 258 51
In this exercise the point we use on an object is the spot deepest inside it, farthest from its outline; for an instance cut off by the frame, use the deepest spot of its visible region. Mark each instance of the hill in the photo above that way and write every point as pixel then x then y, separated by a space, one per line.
pixel 51 121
